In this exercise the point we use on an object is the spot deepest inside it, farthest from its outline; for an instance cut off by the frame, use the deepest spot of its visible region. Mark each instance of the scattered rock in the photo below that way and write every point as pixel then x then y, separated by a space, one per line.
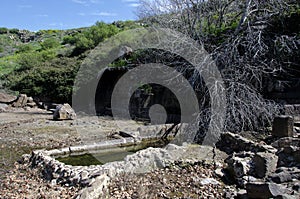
pixel 219 172
pixel 242 194
pixel 64 112
pixel 207 181
pixel 283 126
pixel 264 164
pixel 3 107
pixel 21 101
pixel 97 190
pixel 7 99
pixel 284 174
pixel 31 105
pixel 261 190
pixel 239 164
pixel 30 100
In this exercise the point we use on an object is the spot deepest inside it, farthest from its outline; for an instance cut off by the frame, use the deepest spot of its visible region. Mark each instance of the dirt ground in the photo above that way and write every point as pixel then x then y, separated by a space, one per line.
pixel 22 131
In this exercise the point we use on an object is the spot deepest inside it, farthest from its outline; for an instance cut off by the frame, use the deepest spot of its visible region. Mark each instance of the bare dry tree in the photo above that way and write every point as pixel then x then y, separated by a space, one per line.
pixel 238 34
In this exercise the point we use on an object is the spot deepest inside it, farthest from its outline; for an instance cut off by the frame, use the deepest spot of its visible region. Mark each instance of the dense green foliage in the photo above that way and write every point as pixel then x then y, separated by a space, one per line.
pixel 44 64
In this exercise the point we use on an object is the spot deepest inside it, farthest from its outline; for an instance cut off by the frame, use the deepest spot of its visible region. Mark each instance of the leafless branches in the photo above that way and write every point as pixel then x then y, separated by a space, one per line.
pixel 237 34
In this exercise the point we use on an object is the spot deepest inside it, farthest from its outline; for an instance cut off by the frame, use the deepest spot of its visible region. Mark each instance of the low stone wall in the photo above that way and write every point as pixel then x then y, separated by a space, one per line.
pixel 98 176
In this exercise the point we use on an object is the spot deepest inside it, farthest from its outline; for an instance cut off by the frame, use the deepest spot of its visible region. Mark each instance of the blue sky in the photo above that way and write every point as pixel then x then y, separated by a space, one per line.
pixel 63 14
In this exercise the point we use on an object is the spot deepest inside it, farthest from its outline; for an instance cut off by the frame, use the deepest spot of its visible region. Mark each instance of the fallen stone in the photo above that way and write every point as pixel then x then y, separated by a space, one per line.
pixel 64 112
pixel 242 194
pixel 21 101
pixel 31 105
pixel 7 99
pixel 286 142
pixel 287 196
pixel 261 190
pixel 207 181
pixel 242 182
pixel 281 177
pixel 219 172
pixel 283 126
pixel 264 164
pixel 98 189
pixel 284 174
pixel 30 100
pixel 239 164
pixel 231 142
pixel 3 107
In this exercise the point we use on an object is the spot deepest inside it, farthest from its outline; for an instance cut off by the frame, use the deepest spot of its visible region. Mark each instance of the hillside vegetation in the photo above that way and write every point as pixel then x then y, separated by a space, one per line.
pixel 44 64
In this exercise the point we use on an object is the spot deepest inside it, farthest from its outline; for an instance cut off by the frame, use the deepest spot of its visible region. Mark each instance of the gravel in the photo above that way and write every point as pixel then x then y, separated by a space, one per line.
pixel 176 182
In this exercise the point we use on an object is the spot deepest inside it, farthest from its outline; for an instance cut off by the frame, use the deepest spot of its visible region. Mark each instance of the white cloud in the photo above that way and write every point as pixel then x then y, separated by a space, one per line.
pixel 42 15
pixel 86 2
pixel 104 14
pixel 130 1
pixel 80 1
pixel 134 5
pixel 25 6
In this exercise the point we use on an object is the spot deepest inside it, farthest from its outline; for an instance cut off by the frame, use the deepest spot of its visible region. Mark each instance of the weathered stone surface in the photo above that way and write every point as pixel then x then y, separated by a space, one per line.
pixel 3 107
pixel 264 164
pixel 21 101
pixel 242 194
pixel 281 177
pixel 31 105
pixel 64 112
pixel 231 142
pixel 6 98
pixel 240 164
pixel 285 174
pixel 286 142
pixel 283 126
pixel 206 181
pixel 288 151
pixel 30 100
pixel 261 190
pixel 97 190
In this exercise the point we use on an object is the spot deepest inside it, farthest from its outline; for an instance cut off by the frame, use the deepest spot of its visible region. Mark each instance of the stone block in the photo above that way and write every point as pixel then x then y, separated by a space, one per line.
pixel 283 126
pixel 264 164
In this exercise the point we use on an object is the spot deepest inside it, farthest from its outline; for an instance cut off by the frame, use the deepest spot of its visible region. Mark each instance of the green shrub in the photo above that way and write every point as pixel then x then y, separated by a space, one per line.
pixel 3 30
pixel 51 80
pixel 24 48
pixel 14 31
pixel 49 43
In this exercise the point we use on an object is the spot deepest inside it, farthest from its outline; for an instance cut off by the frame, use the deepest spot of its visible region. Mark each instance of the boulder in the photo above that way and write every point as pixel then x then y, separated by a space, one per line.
pixel 64 112
pixel 30 100
pixel 21 101
pixel 31 105
pixel 98 189
pixel 283 126
pixel 6 98
pixel 3 107
pixel 285 174
pixel 240 164
pixel 264 164
pixel 262 190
